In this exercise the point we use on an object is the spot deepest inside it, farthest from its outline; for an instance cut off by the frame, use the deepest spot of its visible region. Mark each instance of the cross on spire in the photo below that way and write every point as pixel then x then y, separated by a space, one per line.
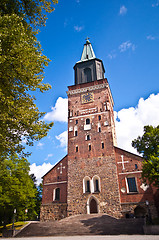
pixel 122 162
pixel 60 168
pixel 87 39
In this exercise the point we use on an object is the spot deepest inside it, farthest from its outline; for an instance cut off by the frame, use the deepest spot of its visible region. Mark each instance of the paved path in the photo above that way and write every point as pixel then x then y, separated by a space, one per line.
pixel 120 237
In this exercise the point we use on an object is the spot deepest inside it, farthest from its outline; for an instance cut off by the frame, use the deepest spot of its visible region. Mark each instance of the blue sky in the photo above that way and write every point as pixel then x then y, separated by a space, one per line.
pixel 125 36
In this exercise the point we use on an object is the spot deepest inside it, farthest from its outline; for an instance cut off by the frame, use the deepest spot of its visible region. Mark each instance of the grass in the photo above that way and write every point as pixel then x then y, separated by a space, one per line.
pixel 17 225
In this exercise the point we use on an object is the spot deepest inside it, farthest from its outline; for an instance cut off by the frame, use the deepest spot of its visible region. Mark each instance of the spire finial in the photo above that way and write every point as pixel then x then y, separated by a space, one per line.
pixel 87 40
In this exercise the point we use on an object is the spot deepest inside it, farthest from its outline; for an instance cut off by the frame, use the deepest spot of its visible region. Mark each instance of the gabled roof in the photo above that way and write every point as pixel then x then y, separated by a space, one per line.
pixel 88 52
pixel 55 166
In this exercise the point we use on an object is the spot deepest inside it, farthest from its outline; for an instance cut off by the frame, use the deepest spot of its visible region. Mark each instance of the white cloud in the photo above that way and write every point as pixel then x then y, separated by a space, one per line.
pixel 149 37
pixel 126 45
pixel 156 4
pixel 130 122
pixel 112 55
pixel 78 28
pixel 59 112
pixel 63 138
pixel 123 10
pixel 40 145
pixel 40 170
pixel 48 156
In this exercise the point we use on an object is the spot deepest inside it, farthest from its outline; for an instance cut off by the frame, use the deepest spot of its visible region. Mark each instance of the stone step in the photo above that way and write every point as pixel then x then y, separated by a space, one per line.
pixel 94 224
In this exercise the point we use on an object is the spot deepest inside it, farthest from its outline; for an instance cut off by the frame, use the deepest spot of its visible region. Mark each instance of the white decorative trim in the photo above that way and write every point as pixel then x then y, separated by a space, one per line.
pixel 130 172
pixel 127 187
pixel 92 114
pixel 100 86
pixel 96 177
pixel 85 179
pixel 55 183
pixel 88 204
pixel 122 162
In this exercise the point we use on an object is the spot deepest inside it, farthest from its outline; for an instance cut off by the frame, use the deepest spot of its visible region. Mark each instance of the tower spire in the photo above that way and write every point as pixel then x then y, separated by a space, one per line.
pixel 88 52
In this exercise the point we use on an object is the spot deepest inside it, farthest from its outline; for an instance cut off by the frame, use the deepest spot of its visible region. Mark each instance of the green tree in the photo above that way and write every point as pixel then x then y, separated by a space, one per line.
pixel 17 188
pixel 22 66
pixel 148 146
pixel 32 11
pixel 38 197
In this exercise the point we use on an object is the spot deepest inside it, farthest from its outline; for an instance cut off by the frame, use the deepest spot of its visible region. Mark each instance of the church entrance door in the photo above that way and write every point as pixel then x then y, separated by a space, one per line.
pixel 93 206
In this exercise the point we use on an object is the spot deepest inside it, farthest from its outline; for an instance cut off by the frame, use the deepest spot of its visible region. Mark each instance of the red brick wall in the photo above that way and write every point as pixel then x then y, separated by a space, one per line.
pixel 130 170
pixel 98 161
pixel 54 179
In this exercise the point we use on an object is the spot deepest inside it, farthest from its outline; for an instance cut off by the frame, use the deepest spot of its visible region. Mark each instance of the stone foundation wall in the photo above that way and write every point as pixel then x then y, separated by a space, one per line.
pixel 53 211
pixel 128 208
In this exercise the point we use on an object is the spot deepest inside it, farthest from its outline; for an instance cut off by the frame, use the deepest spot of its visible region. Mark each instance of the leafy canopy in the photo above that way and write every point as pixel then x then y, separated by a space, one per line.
pixel 32 11
pixel 22 65
pixel 148 146
pixel 17 189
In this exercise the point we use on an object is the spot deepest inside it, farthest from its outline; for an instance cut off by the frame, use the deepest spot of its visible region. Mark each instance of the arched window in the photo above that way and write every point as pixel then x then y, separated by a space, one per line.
pixel 87 121
pixel 99 127
pixel 75 131
pixel 88 137
pixel 89 147
pixel 96 184
pixel 87 185
pixel 87 75
pixel 57 194
pixel 76 148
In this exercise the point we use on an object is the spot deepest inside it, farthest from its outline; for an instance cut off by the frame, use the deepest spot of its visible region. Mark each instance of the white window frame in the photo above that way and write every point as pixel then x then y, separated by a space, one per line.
pixel 127 186
pixel 96 177
pixel 85 179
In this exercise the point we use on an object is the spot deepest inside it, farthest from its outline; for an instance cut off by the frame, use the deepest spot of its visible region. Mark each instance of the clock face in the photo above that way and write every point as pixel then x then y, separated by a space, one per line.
pixel 87 97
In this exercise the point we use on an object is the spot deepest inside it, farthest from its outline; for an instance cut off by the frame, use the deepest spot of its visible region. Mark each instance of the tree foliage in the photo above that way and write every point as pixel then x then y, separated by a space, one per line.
pixel 16 188
pixel 21 72
pixel 32 11
pixel 148 146
pixel 22 65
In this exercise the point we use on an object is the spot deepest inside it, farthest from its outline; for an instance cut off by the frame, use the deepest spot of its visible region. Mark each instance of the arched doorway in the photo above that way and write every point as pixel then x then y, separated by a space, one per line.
pixel 139 212
pixel 93 206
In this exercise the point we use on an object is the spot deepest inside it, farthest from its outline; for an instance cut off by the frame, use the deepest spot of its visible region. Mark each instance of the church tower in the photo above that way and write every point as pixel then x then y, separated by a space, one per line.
pixel 92 172
pixel 95 176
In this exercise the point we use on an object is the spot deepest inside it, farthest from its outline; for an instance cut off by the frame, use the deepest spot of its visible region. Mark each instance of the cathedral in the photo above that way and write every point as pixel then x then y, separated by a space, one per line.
pixel 95 176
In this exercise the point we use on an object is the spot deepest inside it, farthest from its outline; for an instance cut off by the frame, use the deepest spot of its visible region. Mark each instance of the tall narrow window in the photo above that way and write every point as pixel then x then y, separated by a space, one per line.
pixel 76 133
pixel 87 121
pixel 57 194
pixel 88 75
pixel 76 121
pixel 99 127
pixel 96 185
pixel 102 145
pixel 99 117
pixel 88 137
pixel 88 186
pixel 89 147
pixel 76 148
pixel 131 184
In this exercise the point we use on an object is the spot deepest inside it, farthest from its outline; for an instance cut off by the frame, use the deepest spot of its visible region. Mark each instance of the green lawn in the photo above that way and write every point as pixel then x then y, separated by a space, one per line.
pixel 17 225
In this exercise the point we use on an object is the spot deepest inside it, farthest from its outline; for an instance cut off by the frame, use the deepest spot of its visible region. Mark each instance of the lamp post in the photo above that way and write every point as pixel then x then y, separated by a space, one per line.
pixel 149 212
pixel 13 228
pixel 26 211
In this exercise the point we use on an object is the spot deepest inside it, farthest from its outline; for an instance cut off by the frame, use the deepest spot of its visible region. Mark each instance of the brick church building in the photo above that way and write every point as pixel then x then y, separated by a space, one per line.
pixel 95 176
